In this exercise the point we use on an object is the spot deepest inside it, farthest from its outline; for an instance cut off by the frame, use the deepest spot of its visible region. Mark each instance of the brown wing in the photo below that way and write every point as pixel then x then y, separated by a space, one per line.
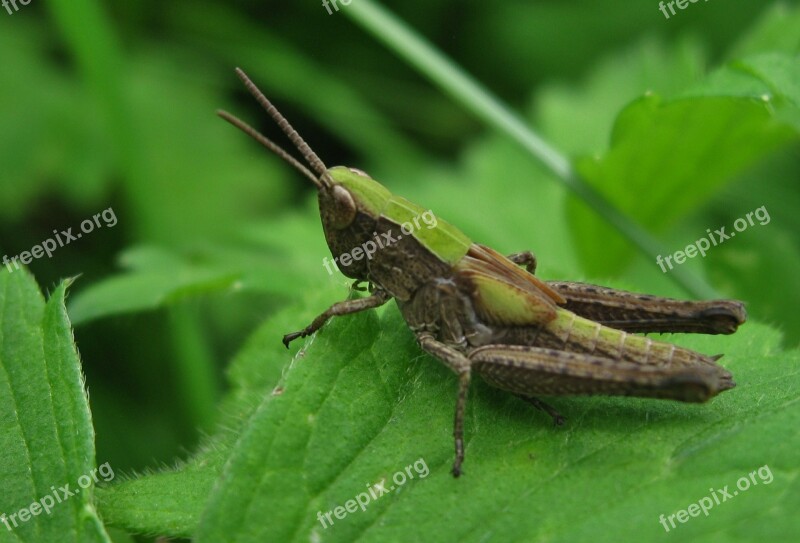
pixel 634 312
pixel 503 293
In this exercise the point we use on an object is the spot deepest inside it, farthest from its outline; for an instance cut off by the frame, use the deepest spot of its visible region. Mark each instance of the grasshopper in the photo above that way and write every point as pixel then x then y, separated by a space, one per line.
pixel 480 312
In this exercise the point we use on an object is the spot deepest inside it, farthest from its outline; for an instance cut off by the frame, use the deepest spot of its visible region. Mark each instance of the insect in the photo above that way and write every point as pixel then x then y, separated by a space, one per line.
pixel 480 312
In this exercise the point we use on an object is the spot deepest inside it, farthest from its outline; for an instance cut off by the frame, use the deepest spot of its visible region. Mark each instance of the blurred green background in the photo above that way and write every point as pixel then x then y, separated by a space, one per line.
pixel 111 104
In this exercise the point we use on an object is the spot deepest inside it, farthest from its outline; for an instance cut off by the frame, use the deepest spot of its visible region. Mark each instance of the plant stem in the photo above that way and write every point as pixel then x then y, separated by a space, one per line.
pixel 447 75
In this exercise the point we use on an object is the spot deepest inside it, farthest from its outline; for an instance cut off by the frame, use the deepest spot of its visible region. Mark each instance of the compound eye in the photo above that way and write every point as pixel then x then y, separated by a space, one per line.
pixel 344 207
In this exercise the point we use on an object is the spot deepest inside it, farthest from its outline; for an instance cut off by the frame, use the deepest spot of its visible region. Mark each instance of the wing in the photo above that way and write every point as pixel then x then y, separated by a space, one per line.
pixel 502 292
pixel 635 312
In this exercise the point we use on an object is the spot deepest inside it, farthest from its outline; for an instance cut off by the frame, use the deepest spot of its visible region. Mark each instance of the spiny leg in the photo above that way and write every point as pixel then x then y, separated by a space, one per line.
pixel 633 312
pixel 460 364
pixel 537 371
pixel 346 307
pixel 558 418
pixel 524 258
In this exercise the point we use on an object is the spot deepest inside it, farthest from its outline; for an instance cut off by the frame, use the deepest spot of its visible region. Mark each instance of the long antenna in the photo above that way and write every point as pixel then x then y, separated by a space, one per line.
pixel 309 155
pixel 269 144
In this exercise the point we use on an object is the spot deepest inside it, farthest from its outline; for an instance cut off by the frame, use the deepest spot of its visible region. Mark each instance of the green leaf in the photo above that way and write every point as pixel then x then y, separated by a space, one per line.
pixel 46 436
pixel 377 404
pixel 171 502
pixel 360 403
pixel 262 259
pixel 679 151
pixel 152 282
pixel 777 29
pixel 669 150
pixel 168 502
pixel 647 66
pixel 766 262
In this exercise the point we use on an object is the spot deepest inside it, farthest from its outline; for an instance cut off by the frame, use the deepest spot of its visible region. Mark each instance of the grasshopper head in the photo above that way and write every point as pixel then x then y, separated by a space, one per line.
pixel 350 210
pixel 350 201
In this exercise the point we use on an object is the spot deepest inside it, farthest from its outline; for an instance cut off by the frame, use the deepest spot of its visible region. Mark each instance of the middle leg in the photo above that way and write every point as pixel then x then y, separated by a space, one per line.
pixel 460 364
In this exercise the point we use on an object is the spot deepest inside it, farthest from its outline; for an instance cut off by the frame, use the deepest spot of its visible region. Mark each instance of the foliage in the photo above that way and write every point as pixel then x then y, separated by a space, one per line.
pixel 635 136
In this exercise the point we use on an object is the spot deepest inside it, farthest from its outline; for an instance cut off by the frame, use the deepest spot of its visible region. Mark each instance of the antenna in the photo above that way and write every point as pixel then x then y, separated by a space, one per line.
pixel 324 179
pixel 269 144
